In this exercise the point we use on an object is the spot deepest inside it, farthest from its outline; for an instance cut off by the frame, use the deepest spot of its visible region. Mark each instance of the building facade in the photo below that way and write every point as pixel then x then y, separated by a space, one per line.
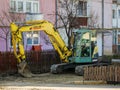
pixel 99 13
pixel 116 24
pixel 91 13
pixel 23 10
pixel 96 14
pixel 100 16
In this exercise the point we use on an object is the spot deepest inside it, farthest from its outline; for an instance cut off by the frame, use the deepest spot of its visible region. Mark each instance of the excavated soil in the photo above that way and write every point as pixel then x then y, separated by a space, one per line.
pixel 48 81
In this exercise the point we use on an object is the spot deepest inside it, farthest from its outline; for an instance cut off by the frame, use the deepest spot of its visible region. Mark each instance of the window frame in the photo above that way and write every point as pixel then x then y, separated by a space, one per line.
pixel 118 13
pixel 35 10
pixel 24 6
pixel 14 7
pixel 32 32
pixel 114 14
pixel 20 8
pixel 82 11
pixel 24 40
pixel 30 6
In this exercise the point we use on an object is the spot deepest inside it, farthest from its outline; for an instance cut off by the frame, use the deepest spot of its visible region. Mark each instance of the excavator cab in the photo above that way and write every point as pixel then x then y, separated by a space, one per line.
pixel 83 50
pixel 83 46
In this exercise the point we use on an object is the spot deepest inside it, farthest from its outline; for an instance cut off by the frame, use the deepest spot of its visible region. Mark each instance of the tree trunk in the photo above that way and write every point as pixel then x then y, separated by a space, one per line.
pixel 6 43
pixel 69 43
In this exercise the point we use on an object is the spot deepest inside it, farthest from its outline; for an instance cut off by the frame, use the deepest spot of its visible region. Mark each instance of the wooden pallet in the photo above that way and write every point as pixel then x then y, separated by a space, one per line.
pixel 104 73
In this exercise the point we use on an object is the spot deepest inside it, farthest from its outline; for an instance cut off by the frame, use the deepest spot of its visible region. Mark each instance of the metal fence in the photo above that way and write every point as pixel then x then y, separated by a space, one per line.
pixel 39 62
pixel 105 73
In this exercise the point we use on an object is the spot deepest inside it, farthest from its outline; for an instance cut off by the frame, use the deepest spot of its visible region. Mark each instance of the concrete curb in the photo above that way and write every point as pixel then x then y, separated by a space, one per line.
pixel 89 82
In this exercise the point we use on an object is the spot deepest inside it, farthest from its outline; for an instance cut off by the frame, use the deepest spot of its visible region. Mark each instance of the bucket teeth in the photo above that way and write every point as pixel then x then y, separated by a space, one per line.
pixel 23 69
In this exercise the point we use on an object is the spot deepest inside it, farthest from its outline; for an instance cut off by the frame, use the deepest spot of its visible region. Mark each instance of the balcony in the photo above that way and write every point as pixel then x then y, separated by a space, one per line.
pixel 116 1
pixel 34 16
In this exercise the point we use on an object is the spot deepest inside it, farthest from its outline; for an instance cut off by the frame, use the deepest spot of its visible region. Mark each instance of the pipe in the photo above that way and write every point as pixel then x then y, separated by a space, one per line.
pixel 102 13
pixel 56 12
pixel 102 27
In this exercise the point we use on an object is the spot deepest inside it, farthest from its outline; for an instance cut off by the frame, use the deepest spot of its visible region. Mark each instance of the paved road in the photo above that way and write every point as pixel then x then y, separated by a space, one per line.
pixel 62 87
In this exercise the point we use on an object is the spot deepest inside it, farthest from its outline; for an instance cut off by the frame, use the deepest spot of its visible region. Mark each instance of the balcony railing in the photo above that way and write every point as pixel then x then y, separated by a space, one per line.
pixel 34 16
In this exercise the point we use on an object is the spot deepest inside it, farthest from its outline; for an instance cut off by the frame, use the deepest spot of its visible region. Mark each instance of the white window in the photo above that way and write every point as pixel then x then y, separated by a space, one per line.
pixel 28 7
pixel 119 13
pixel 114 14
pixel 82 8
pixel 31 6
pixel 13 5
pixel 118 39
pixel 33 38
pixel 35 7
pixel 30 38
pixel 20 6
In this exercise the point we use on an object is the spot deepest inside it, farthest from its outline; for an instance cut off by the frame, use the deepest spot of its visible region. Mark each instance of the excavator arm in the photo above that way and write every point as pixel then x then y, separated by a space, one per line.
pixel 42 25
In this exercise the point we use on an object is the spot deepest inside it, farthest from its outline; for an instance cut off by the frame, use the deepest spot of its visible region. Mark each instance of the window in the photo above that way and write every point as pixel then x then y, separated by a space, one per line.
pixel 32 38
pixel 28 6
pixel 82 8
pixel 119 13
pixel 118 39
pixel 31 6
pixel 35 7
pixel 13 5
pixel 114 14
pixel 20 6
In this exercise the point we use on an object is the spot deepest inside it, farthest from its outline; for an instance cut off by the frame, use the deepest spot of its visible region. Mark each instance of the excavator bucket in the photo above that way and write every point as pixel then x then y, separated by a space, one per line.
pixel 24 70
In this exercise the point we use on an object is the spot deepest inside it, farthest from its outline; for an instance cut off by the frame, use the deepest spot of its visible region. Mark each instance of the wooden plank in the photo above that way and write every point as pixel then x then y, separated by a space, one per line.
pixel 105 73
pixel 39 62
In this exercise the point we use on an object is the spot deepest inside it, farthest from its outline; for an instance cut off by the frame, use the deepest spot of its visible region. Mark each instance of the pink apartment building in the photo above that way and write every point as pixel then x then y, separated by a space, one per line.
pixel 47 8
pixel 21 10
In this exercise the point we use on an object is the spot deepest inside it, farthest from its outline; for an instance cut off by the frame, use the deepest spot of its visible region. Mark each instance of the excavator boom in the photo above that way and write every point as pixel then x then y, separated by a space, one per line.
pixel 41 25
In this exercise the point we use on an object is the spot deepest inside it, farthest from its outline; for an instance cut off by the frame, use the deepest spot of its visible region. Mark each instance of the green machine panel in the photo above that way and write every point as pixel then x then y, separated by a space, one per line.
pixel 82 48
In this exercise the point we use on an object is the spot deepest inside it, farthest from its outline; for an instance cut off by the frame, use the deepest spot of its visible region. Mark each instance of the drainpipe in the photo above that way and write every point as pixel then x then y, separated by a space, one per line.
pixel 116 34
pixel 56 12
pixel 102 27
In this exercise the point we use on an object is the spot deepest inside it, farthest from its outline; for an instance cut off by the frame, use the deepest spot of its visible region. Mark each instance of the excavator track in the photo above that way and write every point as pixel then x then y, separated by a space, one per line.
pixel 79 69
pixel 56 68
pixel 59 68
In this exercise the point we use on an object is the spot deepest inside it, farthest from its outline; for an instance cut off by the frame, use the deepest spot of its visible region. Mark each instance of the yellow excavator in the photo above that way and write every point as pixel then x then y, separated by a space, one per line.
pixel 42 25
pixel 82 53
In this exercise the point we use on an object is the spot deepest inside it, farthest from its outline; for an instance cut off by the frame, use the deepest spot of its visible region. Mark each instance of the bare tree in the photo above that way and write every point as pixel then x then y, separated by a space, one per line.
pixel 67 17
pixel 5 20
